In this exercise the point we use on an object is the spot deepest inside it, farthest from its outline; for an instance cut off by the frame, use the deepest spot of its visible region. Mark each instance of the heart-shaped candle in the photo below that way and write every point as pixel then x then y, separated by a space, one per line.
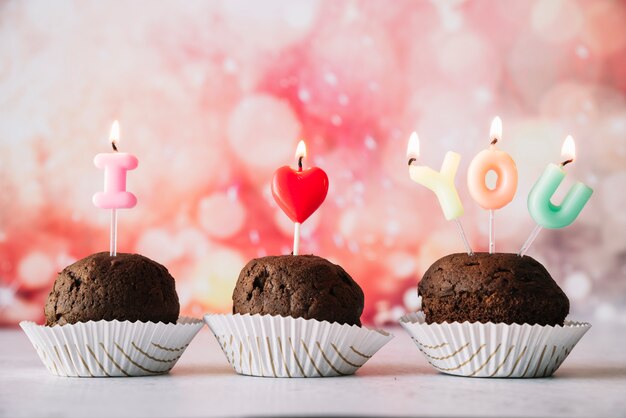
pixel 299 192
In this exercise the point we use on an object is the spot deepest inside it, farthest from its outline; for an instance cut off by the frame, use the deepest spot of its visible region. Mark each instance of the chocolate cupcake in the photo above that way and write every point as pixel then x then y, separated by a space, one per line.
pixel 306 286
pixel 295 316
pixel 492 315
pixel 498 288
pixel 112 316
pixel 126 287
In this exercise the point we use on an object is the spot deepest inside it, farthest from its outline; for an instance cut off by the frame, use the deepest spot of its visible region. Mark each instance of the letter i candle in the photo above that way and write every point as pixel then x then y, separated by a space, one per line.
pixel 118 310
pixel 115 196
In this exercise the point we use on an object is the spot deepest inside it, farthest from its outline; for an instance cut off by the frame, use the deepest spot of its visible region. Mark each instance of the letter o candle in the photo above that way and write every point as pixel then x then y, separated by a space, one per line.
pixel 505 169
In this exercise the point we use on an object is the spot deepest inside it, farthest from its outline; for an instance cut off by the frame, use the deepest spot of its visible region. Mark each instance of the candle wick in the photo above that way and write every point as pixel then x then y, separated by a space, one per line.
pixel 114 146
pixel 300 163
pixel 494 141
pixel 566 162
pixel 411 160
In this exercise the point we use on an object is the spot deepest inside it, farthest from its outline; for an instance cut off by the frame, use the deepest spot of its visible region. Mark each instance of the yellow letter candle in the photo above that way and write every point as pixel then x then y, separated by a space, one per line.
pixel 440 182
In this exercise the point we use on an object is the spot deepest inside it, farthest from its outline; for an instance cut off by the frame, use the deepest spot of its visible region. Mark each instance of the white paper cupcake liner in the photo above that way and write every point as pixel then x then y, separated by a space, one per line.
pixel 275 346
pixel 111 348
pixel 493 350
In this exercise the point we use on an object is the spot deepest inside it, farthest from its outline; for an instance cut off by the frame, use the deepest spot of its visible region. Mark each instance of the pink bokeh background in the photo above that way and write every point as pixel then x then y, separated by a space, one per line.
pixel 212 97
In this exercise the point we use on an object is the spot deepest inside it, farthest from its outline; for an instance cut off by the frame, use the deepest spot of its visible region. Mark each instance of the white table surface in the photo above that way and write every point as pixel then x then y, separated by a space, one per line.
pixel 397 382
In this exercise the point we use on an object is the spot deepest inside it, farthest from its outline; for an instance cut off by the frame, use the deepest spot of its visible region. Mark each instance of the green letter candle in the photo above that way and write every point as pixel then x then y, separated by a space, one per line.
pixel 540 206
pixel 546 213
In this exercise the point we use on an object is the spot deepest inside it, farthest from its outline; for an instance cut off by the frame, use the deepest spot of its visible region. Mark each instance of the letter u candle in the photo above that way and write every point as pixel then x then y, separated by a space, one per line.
pixel 540 206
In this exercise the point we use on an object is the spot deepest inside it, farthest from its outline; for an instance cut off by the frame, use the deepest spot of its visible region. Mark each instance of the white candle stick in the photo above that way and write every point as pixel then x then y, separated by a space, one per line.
pixel 463 237
pixel 492 233
pixel 296 238
pixel 530 240
pixel 113 234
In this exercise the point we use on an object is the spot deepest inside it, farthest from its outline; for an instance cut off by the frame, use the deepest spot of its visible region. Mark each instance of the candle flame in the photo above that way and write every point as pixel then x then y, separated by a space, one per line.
pixel 568 150
pixel 496 130
pixel 413 149
pixel 301 150
pixel 114 137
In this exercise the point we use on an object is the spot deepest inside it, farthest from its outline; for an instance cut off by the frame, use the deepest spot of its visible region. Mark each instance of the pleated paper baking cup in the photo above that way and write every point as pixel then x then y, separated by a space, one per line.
pixel 111 348
pixel 494 350
pixel 276 346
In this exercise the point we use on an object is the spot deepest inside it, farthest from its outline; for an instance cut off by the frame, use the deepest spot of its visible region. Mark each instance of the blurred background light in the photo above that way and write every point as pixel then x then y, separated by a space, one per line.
pixel 213 96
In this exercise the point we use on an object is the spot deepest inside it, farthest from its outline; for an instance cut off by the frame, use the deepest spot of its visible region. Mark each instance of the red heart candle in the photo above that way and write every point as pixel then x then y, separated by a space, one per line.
pixel 299 192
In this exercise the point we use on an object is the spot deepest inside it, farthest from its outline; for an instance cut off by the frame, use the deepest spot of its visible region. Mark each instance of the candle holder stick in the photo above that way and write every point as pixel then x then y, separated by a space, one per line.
pixel 492 233
pixel 296 238
pixel 113 233
pixel 463 237
pixel 530 240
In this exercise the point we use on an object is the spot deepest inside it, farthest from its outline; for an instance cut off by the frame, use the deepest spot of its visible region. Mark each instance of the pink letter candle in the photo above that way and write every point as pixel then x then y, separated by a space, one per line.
pixel 115 165
pixel 115 196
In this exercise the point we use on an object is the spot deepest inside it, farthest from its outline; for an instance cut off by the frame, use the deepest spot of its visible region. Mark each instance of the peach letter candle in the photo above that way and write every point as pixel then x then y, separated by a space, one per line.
pixel 504 167
pixel 540 206
pixel 439 182
pixel 115 196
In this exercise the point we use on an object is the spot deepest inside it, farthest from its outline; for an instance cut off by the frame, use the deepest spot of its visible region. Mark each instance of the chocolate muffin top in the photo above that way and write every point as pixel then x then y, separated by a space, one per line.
pixel 498 288
pixel 301 286
pixel 127 287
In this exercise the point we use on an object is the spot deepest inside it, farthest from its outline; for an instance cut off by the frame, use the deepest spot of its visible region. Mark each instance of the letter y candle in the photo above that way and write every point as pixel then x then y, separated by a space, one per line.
pixel 440 182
